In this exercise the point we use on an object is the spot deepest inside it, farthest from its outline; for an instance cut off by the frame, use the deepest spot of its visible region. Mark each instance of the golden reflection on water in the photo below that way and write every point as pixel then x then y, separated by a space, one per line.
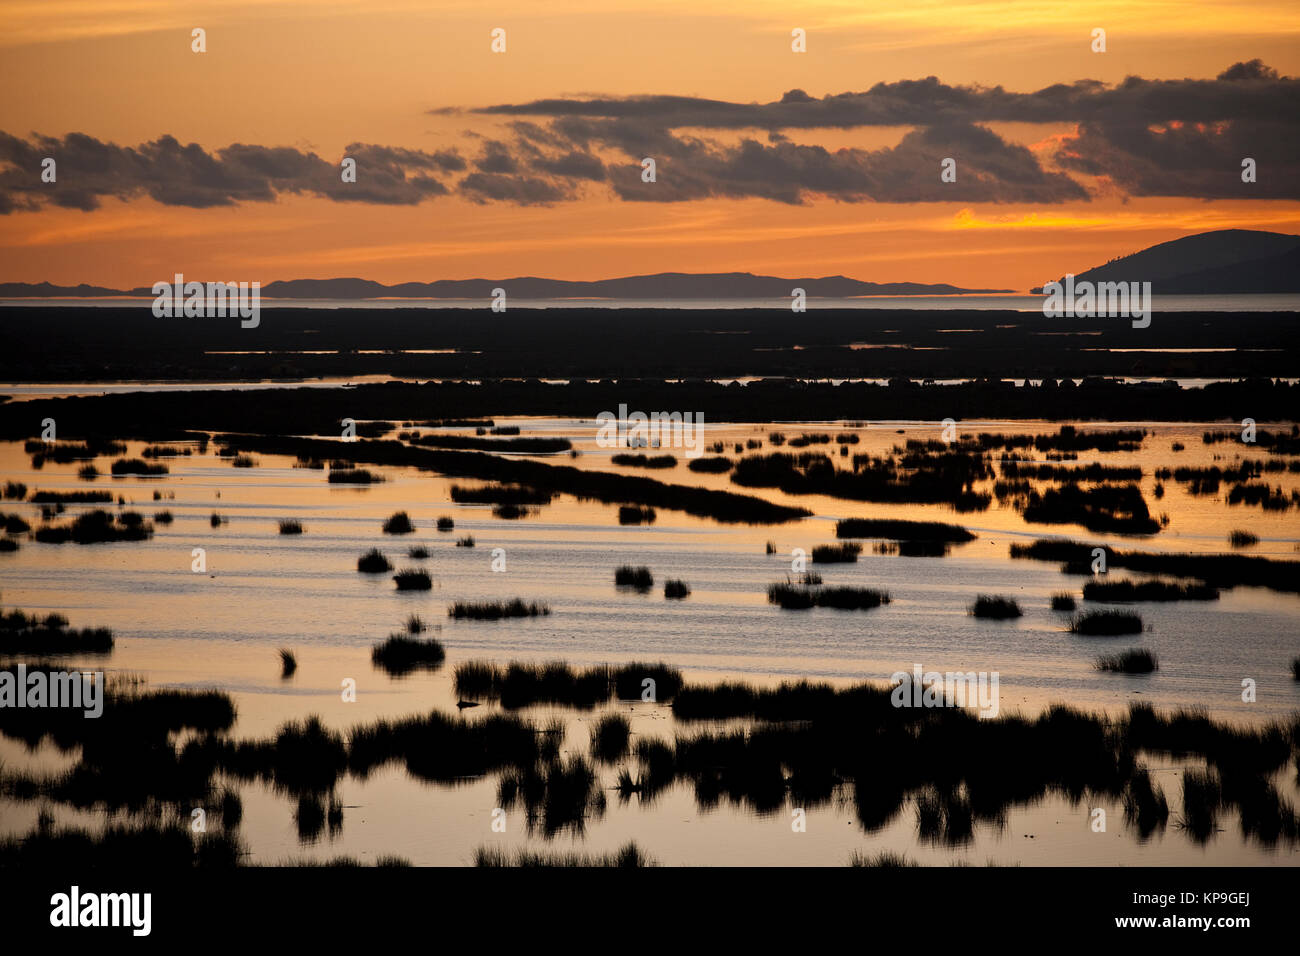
pixel 263 591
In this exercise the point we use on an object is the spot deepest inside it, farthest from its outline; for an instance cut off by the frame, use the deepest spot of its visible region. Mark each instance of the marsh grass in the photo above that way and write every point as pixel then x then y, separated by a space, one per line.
pixel 1202 800
pixel 711 466
pixel 1216 570
pixel 1109 623
pixel 446 524
pixel 290 526
pixel 609 738
pixel 644 461
pixel 836 553
pixel 629 856
pixel 901 530
pixel 97 527
pixel 124 467
pixel 22 633
pixel 1124 592
pixel 374 562
pixel 88 472
pixel 496 610
pixel 914 549
pixel 996 607
pixel 1063 601
pixel 884 860
pixel 630 576
pixel 802 596
pixel 500 495
pixel 635 514
pixel 675 589
pixel 164 517
pixel 465 542
pixel 418 553
pixel 512 512
pixel 398 523
pixel 354 476
pixel 288 663
pixel 1242 539
pixel 152 846
pixel 557 796
pixel 1134 661
pixel 525 684
pixel 402 653
pixel 413 579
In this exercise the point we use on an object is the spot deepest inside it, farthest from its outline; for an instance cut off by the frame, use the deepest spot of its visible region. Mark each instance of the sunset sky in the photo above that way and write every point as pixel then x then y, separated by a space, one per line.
pixel 225 164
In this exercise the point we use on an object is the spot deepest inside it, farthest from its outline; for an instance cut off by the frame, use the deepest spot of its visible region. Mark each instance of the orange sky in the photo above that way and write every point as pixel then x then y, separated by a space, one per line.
pixel 319 75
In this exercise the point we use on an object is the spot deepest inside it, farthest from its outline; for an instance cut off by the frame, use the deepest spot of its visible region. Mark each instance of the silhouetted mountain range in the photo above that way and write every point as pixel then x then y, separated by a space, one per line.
pixel 1224 262
pixel 664 285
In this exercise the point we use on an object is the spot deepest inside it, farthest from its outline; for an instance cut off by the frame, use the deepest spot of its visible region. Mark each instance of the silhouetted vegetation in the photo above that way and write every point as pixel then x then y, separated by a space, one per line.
pixel 138 467
pixel 398 523
pixel 996 607
pixel 1216 570
pixel 803 595
pixel 401 654
pixel 1118 509
pixel 500 495
pixel 635 514
pixel 711 466
pixel 643 461
pixel 496 610
pixel 1063 601
pixel 518 446
pixel 373 562
pixel 413 579
pixel 609 738
pixel 629 856
pixel 902 530
pixel 1106 623
pixel 677 589
pixel 627 576
pixel 1122 592
pixel 22 633
pixel 96 527
pixel 836 553
pixel 1135 661
pixel 288 663
pixel 353 476
pixel 290 526
pixel 42 497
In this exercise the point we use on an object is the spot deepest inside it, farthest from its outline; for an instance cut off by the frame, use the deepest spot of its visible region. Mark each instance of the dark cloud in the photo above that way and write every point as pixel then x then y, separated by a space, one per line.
pixel 1244 91
pixel 988 170
pixel 89 171
pixel 1143 137
pixel 1190 160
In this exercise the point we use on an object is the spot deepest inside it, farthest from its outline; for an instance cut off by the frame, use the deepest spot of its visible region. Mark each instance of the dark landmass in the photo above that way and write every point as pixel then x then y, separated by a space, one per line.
pixel 170 416
pixel 663 285
pixel 1223 262
pixel 94 344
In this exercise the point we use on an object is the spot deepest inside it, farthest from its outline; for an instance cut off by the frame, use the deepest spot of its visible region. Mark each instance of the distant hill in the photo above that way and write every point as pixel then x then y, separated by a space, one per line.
pixel 1224 262
pixel 665 285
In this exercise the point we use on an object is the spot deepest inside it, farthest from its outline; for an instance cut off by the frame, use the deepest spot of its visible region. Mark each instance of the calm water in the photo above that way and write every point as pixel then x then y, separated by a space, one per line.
pixel 263 591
